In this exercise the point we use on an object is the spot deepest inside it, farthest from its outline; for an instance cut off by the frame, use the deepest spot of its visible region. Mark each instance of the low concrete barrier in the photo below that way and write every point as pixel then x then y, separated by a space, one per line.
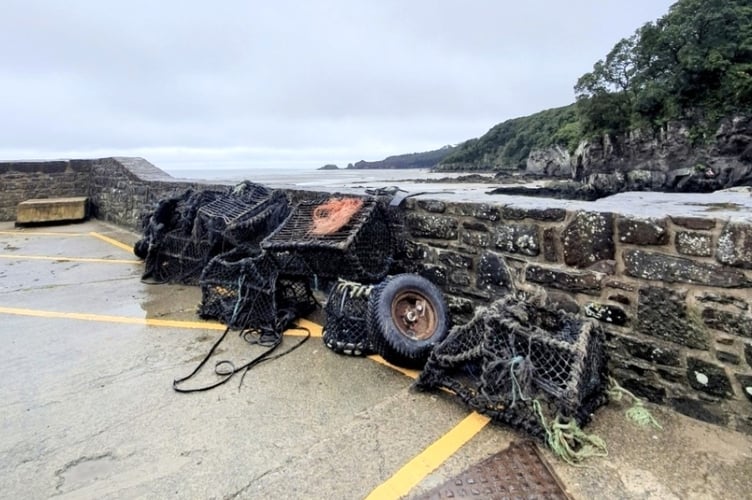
pixel 46 210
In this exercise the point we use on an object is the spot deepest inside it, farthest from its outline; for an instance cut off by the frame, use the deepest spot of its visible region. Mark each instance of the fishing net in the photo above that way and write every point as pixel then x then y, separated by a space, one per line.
pixel 184 232
pixel 360 250
pixel 243 289
pixel 522 364
pixel 345 329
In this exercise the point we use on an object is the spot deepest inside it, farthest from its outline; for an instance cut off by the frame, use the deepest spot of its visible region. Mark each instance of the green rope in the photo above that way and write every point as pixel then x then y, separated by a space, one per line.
pixel 637 413
pixel 568 441
pixel 516 389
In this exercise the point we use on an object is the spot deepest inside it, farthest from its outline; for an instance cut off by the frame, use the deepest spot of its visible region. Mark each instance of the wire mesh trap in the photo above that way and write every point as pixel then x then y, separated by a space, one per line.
pixel 184 232
pixel 359 249
pixel 244 289
pixel 522 364
pixel 345 329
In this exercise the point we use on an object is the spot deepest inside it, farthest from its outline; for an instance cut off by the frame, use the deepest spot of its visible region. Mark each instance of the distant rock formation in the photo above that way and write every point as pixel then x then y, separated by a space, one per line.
pixel 428 159
pixel 329 166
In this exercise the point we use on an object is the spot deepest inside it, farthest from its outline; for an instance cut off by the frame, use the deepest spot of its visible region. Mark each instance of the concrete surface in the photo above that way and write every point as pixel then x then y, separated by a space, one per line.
pixel 88 410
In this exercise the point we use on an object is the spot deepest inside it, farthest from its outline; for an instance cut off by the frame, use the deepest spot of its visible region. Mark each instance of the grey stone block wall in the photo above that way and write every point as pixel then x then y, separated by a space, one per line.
pixel 673 294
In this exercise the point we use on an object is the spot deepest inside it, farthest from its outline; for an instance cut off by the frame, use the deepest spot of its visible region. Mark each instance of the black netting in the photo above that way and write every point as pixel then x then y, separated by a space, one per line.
pixel 517 361
pixel 243 289
pixel 361 250
pixel 184 232
pixel 345 329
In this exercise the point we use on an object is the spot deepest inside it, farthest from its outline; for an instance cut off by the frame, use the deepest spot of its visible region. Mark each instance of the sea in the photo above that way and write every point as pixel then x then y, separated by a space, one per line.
pixel 309 178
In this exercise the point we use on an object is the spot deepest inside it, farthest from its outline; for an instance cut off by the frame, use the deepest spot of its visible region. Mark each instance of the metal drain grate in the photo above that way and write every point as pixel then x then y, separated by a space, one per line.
pixel 518 472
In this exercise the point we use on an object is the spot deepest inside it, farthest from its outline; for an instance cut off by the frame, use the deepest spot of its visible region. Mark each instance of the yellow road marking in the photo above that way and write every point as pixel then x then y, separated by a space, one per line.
pixel 105 318
pixel 111 241
pixel 405 371
pixel 68 259
pixel 429 459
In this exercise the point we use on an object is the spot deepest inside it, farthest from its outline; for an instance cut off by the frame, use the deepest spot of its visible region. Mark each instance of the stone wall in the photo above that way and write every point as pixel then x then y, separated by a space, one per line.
pixel 20 181
pixel 672 293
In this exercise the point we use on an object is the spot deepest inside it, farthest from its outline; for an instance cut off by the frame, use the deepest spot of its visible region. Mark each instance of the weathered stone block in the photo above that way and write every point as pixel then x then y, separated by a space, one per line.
pixel 733 324
pixel 670 269
pixel 482 211
pixel 432 226
pixel 542 214
pixel 693 243
pixel 493 273
pixel 434 274
pixel 748 353
pixel 518 238
pixel 708 378
pixel 476 238
pixel 454 259
pixel 726 300
pixel 52 210
pixel 662 313
pixel 551 244
pixel 642 231
pixel 433 206
pixel 727 357
pixel 588 239
pixel 475 226
pixel 746 383
pixel 606 313
pixel 701 411
pixel 575 282
pixel 653 353
pixel 735 245
pixel 643 388
pixel 693 222
pixel 459 277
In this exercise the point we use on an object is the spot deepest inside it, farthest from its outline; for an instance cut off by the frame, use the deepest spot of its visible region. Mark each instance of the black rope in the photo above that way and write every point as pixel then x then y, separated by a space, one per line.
pixel 230 370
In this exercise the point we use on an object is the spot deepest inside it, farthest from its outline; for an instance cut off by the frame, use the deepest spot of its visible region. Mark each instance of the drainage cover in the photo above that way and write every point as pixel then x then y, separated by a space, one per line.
pixel 518 472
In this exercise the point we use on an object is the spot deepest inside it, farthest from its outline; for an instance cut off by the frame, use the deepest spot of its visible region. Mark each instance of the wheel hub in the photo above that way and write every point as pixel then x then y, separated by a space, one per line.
pixel 414 315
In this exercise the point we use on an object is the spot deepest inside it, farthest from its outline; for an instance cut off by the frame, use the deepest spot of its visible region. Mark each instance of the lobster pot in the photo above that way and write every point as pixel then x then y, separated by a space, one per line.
pixel 242 289
pixel 515 354
pixel 242 219
pixel 566 354
pixel 177 258
pixel 345 330
pixel 361 250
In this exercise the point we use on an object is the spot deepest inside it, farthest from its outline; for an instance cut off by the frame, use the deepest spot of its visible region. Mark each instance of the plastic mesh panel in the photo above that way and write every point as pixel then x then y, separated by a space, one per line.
pixel 345 329
pixel 514 353
pixel 361 250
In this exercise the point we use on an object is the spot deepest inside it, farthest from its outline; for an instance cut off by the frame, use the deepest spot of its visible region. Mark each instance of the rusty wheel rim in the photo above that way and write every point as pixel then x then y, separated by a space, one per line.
pixel 414 315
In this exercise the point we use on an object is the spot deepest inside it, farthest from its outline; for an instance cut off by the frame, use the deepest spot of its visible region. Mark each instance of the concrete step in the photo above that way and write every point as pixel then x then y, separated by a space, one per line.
pixel 49 210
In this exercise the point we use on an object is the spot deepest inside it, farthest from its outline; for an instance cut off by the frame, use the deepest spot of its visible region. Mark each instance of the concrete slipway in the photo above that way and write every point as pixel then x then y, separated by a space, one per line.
pixel 88 410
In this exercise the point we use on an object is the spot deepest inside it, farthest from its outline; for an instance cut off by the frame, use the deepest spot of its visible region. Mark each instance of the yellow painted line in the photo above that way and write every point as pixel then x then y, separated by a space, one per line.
pixel 104 318
pixel 405 371
pixel 429 459
pixel 68 259
pixel 111 241
pixel 39 233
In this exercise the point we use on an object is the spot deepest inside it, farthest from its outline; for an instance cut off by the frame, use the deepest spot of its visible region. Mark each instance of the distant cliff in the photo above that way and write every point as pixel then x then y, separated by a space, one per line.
pixel 428 159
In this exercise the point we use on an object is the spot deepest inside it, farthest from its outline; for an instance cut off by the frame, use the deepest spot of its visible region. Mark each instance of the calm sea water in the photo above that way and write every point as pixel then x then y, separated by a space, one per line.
pixel 312 178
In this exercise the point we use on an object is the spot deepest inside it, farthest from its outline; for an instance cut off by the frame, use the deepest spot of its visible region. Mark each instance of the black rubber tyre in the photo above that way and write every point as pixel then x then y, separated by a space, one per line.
pixel 407 318
pixel 141 248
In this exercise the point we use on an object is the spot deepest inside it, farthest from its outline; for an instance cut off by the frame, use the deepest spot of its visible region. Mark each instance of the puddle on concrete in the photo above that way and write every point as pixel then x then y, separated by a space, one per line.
pixel 84 471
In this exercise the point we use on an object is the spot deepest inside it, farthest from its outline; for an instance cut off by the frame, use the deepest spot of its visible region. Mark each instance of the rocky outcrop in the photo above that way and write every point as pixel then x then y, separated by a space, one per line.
pixel 668 160
pixel 554 161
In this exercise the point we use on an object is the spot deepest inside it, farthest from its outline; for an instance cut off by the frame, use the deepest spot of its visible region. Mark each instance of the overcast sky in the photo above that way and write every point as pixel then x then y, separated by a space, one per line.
pixel 200 84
